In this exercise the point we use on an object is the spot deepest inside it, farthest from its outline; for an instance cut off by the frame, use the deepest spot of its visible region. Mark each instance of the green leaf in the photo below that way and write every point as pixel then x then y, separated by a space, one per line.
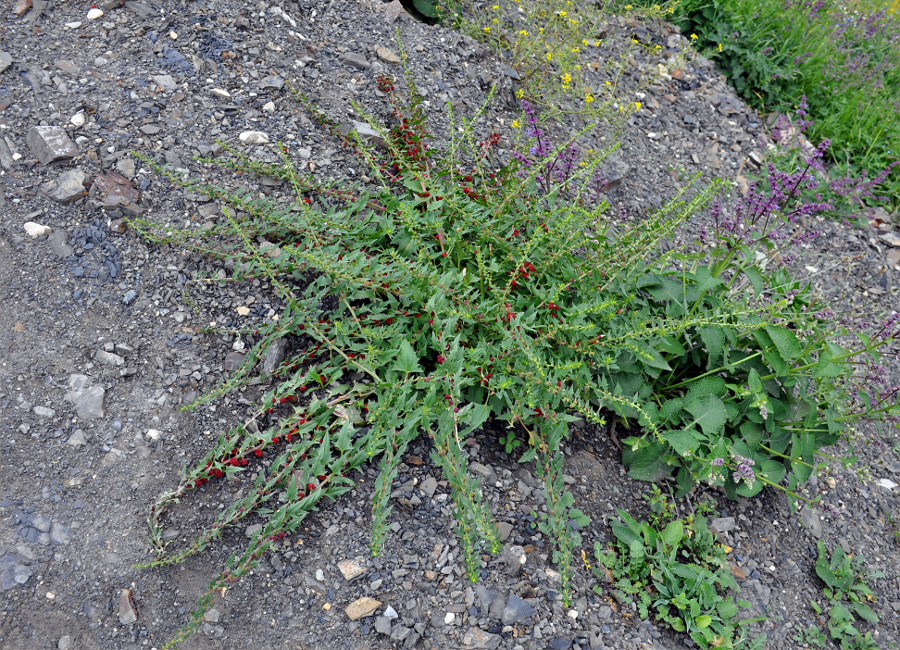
pixel 407 360
pixel 786 341
pixel 864 611
pixel 652 358
pixel 707 386
pixel 703 621
pixel 755 278
pixel 673 533
pixel 709 412
pixel 684 442
pixel 754 381
pixel 714 340
pixel 727 609
pixel 647 464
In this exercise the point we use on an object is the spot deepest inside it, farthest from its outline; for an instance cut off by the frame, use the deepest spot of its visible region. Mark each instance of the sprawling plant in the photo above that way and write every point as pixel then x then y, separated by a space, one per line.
pixel 454 289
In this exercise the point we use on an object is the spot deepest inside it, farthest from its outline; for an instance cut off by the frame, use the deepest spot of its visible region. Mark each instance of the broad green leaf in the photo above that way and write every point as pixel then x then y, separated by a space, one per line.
pixel 865 612
pixel 407 360
pixel 652 358
pixel 703 621
pixel 669 409
pixel 755 278
pixel 673 533
pixel 786 341
pixel 709 412
pixel 754 381
pixel 714 340
pixel 707 386
pixel 684 442
pixel 647 464
pixel 727 609
pixel 661 287
pixel 771 354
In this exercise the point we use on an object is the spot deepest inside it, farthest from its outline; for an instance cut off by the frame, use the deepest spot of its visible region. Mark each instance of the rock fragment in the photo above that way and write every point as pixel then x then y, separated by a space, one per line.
pixel 69 187
pixel 88 399
pixel 254 137
pixel 36 230
pixel 361 608
pixel 127 610
pixel 50 143
pixel 387 55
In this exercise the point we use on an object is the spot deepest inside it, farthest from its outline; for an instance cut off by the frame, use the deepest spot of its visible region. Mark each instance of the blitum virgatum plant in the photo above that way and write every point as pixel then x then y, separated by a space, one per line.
pixel 454 289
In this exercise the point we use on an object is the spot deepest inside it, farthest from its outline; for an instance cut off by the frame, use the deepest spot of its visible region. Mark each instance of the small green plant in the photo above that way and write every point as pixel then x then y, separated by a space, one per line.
pixel 510 441
pixel 674 569
pixel 848 595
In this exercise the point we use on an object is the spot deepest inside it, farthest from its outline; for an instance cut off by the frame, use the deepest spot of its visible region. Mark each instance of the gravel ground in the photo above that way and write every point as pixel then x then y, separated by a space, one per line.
pixel 102 342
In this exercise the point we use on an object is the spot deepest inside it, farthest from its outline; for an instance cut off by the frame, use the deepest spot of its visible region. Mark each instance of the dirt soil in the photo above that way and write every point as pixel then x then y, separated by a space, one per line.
pixel 103 338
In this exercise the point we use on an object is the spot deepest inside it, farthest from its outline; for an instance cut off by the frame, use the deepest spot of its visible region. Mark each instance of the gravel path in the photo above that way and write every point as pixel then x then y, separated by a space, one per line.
pixel 101 342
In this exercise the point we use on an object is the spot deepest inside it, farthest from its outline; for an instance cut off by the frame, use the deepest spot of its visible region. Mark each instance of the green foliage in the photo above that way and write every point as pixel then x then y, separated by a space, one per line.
pixel 452 290
pixel 674 569
pixel 848 596
pixel 842 58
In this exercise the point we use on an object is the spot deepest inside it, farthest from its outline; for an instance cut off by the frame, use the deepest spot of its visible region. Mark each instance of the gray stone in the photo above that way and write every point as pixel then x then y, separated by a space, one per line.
pixel 810 520
pixel 59 534
pixel 387 55
pixel 891 239
pixel 129 296
pixel 253 137
pixel 516 610
pixel 127 611
pixel 165 81
pixel 383 625
pixel 253 530
pixel 5 61
pixel 273 356
pixel 109 358
pixel 504 528
pixel 484 472
pixel 50 143
pixel 478 638
pixel 391 613
pixel 722 525
pixel 58 244
pixel 64 643
pixel 44 411
pixel 69 187
pixel 212 615
pixel 272 82
pixel 88 400
pixel 356 60
pixel 429 485
pixel 233 361
pixel 77 439
pixel 366 133
pixel 42 523
pixel 6 158
pixel 21 574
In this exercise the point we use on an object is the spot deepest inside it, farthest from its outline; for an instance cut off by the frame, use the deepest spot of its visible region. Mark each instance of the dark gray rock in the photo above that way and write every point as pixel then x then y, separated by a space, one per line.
pixel 50 143
pixel 58 244
pixel 516 610
pixel 88 399
pixel 273 356
pixel 59 534
pixel 68 188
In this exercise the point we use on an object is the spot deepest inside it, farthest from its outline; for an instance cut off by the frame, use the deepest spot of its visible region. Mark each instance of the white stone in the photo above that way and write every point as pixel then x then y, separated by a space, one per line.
pixel 173 35
pixel 77 120
pixel 449 617
pixel 886 483
pixel 242 311
pixel 269 107
pixel 36 230
pixel 154 434
pixel 74 25
pixel 254 137
pixel 573 614
pixel 220 92
pixel 95 13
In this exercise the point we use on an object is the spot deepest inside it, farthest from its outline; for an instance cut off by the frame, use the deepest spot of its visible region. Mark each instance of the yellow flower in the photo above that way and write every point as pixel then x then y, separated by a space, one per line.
pixel 520 93
pixel 524 32
pixel 694 37
pixel 596 43
pixel 635 41
pixel 495 7
pixel 562 14
pixel 487 30
pixel 566 80
pixel 549 56
pixel 609 83
pixel 637 106
pixel 575 50
pixel 584 42
pixel 578 67
pixel 515 124
pixel 720 47
pixel 588 98
pixel 628 6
